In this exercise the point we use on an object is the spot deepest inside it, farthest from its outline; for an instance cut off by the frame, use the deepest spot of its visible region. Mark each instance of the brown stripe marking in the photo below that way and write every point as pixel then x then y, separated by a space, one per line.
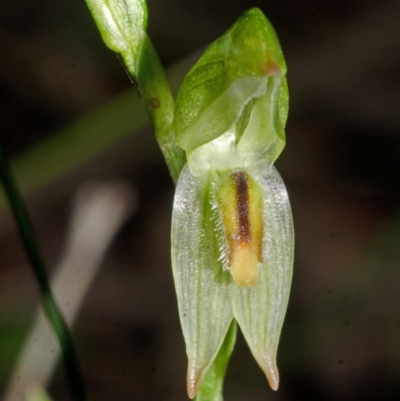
pixel 242 196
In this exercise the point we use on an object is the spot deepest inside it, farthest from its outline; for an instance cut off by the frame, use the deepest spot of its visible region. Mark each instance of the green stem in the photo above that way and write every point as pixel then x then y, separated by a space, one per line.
pixel 157 97
pixel 212 386
pixel 52 312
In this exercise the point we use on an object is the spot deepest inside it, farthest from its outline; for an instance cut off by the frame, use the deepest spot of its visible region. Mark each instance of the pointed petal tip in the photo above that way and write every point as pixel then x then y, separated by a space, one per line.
pixel 271 372
pixel 268 366
pixel 194 379
pixel 273 382
pixel 192 390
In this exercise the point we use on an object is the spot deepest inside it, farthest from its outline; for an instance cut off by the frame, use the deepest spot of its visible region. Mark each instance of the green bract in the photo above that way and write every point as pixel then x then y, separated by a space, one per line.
pixel 238 85
pixel 121 24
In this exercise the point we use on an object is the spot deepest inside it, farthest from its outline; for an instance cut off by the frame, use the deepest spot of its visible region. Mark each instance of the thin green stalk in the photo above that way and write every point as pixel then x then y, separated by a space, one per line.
pixel 212 386
pixel 122 25
pixel 50 307
pixel 157 97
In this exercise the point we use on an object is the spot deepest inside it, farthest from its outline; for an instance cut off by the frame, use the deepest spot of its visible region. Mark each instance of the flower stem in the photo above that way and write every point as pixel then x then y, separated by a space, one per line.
pixel 212 386
pixel 157 97
pixel 50 307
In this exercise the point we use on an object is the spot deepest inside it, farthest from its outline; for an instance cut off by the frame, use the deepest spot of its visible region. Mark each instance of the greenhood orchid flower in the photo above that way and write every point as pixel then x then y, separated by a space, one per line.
pixel 232 232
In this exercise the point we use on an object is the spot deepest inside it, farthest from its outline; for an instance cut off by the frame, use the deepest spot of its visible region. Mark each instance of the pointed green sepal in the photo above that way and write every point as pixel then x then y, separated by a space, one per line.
pixel 202 286
pixel 260 310
pixel 122 24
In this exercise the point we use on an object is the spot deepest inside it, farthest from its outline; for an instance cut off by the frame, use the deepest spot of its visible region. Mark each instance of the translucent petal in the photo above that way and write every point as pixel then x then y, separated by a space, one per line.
pixel 221 114
pixel 264 137
pixel 284 102
pixel 202 286
pixel 219 154
pixel 260 310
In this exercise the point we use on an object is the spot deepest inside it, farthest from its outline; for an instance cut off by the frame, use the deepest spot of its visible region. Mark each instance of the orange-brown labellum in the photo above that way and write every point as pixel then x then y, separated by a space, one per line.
pixel 240 204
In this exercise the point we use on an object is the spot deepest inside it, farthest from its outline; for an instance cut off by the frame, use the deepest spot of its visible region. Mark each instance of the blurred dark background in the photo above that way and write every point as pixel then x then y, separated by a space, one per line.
pixel 341 165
